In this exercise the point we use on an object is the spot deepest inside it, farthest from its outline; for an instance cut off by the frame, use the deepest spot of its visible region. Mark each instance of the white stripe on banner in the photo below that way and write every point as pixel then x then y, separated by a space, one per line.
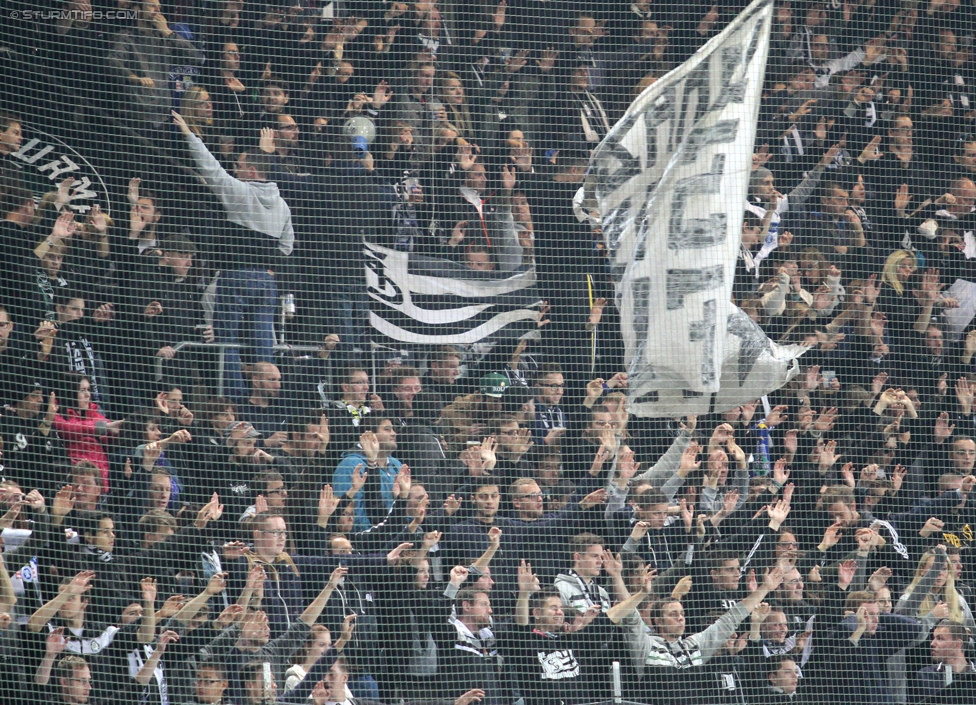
pixel 456 306
pixel 670 180
pixel 471 336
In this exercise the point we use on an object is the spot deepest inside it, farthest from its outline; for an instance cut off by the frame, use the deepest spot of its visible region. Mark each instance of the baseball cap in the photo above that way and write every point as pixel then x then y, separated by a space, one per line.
pixel 493 385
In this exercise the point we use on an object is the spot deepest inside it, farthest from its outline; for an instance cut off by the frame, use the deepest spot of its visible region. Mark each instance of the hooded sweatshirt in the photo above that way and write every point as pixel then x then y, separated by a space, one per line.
pixel 258 231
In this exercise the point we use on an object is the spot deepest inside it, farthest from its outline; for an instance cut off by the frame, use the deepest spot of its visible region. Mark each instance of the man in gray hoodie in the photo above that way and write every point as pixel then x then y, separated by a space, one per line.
pixel 253 242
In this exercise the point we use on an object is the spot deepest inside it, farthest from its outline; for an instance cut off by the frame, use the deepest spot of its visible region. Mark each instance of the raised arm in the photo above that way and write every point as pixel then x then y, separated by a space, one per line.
pixel 79 585
pixel 215 586
pixel 494 541
pixel 620 610
pixel 528 583
pixel 147 625
pixel 712 639
pixel 145 674
pixel 311 614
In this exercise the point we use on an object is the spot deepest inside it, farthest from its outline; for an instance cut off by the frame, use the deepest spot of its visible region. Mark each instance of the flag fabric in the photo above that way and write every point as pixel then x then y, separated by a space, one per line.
pixel 670 181
pixel 434 301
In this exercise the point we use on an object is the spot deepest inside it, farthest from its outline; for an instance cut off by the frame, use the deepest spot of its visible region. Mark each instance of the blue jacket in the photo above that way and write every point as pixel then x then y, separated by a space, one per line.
pixel 342 481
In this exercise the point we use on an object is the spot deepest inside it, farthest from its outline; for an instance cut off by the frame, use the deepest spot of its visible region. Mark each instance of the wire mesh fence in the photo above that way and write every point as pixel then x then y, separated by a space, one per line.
pixel 521 353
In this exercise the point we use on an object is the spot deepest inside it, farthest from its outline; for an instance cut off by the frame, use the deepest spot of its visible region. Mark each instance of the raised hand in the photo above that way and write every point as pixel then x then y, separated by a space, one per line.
pixel 452 504
pixel 430 539
pixel 458 575
pixel 682 588
pixel 371 446
pixel 527 581
pixel 328 503
pixel 228 616
pixel 211 511
pixel 845 573
pixel 826 420
pixel 173 604
pixel 777 416
pixel 64 227
pixel 761 612
pixel 778 511
pixel 594 498
pixel 266 143
pixel 338 574
pixel 470 696
pixel 148 589
pixel 879 578
pixel 689 459
pixel 828 456
pixel 773 578
pixel 358 480
pixel 55 642
pixel 132 193
pixel 216 584
pixel 487 453
pixel 964 394
pixel 494 536
pixel 394 555
pixel 255 577
pixel 346 632
pixel 831 536
pixel 402 482
pixel 730 501
pixel 166 638
pixel 180 123
pixel 612 563
pixel 943 430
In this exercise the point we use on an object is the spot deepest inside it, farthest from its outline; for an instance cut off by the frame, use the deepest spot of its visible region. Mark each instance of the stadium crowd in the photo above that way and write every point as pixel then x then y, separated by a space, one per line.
pixel 349 523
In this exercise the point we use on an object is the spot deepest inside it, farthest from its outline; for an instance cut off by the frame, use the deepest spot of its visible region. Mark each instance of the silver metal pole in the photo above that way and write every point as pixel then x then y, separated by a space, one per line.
pixel 617 689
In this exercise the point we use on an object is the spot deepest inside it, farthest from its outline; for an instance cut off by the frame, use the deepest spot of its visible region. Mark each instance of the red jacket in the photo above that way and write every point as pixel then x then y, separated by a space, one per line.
pixel 84 436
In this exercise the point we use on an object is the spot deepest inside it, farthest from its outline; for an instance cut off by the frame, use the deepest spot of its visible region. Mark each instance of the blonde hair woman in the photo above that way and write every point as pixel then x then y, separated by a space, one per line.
pixel 933 573
pixel 197 109
pixel 450 91
pixel 898 268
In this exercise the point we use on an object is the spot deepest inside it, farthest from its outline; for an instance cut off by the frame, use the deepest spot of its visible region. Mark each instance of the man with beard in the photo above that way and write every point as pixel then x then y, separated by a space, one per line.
pixel 374 457
pixel 235 476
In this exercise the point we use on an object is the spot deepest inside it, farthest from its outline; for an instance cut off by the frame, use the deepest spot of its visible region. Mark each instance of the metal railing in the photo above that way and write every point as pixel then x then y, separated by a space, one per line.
pixel 221 349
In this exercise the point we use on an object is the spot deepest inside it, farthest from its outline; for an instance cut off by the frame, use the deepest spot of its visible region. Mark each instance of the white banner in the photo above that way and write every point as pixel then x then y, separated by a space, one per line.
pixel 670 182
pixel 432 301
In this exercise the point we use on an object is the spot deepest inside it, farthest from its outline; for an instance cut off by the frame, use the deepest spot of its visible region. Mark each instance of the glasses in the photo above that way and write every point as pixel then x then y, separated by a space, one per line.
pixel 4 324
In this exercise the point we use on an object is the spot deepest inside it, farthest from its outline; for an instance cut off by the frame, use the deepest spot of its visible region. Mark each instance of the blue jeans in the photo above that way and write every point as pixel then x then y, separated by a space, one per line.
pixel 244 313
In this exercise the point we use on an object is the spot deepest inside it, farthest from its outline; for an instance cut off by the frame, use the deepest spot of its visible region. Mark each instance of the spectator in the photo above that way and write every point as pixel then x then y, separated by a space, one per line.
pixel 85 429
pixel 372 458
pixel 949 641
pixel 259 235
pixel 140 61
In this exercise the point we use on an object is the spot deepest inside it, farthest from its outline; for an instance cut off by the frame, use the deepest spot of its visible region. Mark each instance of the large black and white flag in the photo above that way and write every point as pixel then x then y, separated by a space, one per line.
pixel 434 301
pixel 670 181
